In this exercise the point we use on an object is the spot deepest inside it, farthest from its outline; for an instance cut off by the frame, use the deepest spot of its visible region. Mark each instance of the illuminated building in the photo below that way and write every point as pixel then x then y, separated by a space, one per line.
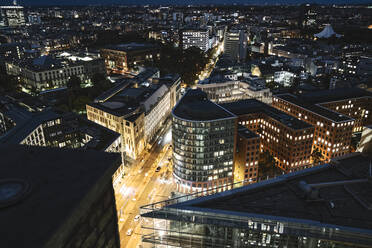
pixel 12 16
pixel 227 90
pixel 207 139
pixel 126 57
pixel 247 155
pixel 136 109
pixel 335 114
pixel 195 38
pixel 286 138
pixel 235 45
pixel 48 72
pixel 52 197
pixel 323 206
pixel 203 138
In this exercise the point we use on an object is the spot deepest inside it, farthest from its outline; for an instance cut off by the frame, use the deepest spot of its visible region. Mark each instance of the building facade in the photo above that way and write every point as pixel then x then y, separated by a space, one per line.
pixel 203 139
pixel 335 114
pixel 12 16
pixel 195 38
pixel 127 57
pixel 235 45
pixel 136 109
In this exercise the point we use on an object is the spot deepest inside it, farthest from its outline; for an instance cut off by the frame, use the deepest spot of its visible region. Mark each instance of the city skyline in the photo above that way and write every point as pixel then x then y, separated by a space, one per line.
pixel 183 2
pixel 181 124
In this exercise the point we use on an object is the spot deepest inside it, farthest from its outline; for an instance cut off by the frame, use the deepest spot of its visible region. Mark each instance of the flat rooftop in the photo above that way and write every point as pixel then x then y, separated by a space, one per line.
pixel 253 106
pixel 313 100
pixel 50 184
pixel 195 106
pixel 246 133
pixel 129 47
pixel 315 108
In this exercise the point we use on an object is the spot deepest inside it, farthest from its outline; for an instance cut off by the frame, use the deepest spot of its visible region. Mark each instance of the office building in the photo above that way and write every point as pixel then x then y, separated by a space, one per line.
pixel 286 138
pixel 124 58
pixel 203 139
pixel 206 156
pixel 235 45
pixel 195 38
pixel 52 197
pixel 136 108
pixel 12 16
pixel 335 114
pixel 324 206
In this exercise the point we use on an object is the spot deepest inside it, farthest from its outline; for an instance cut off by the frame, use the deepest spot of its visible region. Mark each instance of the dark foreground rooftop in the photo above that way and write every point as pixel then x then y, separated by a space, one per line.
pixel 41 187
pixel 340 211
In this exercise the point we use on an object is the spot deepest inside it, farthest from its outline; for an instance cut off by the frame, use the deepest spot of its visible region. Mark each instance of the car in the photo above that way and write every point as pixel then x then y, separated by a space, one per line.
pixel 158 169
pixel 137 218
pixel 129 232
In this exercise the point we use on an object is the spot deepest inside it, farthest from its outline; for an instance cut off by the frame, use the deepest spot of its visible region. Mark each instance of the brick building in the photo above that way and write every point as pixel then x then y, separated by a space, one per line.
pixel 335 114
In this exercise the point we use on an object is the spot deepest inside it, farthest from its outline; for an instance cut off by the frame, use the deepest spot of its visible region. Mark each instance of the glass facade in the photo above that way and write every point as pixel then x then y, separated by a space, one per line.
pixel 166 226
pixel 203 151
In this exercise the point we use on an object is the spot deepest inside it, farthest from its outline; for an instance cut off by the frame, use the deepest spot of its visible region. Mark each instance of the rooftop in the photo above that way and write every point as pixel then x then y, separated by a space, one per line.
pixel 251 106
pixel 46 194
pixel 128 47
pixel 308 103
pixel 246 133
pixel 195 106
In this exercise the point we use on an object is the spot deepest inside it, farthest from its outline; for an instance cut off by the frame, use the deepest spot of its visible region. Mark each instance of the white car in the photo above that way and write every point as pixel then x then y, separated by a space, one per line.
pixel 130 231
pixel 137 218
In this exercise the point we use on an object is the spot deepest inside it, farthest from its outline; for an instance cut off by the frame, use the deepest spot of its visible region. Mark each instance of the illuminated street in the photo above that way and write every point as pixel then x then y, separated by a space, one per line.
pixel 143 185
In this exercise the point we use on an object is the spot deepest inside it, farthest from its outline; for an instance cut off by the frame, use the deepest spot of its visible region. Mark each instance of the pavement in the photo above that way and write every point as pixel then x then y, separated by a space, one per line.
pixel 142 186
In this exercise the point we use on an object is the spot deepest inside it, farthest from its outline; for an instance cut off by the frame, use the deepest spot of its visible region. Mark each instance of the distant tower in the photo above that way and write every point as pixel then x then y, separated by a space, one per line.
pixel 14 2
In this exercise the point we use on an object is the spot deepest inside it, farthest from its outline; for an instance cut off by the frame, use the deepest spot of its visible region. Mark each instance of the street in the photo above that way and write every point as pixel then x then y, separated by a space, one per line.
pixel 143 185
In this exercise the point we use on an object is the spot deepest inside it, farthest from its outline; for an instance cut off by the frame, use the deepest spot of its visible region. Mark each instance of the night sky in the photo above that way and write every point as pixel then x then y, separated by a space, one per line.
pixel 180 2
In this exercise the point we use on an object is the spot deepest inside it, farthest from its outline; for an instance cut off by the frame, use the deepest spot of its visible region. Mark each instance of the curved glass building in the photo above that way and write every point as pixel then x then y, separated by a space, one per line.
pixel 203 137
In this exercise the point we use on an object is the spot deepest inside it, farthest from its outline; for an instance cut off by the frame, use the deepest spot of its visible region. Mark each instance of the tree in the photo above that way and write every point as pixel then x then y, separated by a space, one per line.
pixel 74 83
pixel 316 156
pixel 267 166
pixel 8 83
pixel 100 84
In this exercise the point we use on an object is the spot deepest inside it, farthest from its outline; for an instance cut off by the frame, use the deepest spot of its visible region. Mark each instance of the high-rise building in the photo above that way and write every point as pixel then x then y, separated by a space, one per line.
pixel 324 206
pixel 235 45
pixel 52 197
pixel 195 38
pixel 203 139
pixel 11 16
pixel 335 114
